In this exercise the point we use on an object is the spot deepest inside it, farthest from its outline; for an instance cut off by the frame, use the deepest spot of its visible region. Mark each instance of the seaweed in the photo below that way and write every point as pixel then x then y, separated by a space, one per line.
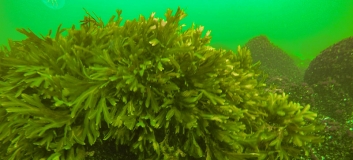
pixel 150 85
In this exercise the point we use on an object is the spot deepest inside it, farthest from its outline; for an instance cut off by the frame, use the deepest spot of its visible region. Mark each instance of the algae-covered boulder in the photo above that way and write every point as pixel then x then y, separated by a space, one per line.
pixel 335 62
pixel 274 61
pixel 149 86
pixel 331 76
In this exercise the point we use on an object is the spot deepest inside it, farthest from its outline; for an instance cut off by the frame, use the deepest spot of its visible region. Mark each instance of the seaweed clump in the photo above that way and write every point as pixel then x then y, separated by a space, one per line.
pixel 150 86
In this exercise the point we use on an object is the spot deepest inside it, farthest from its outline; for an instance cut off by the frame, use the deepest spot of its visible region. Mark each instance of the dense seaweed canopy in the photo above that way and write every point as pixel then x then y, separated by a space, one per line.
pixel 150 85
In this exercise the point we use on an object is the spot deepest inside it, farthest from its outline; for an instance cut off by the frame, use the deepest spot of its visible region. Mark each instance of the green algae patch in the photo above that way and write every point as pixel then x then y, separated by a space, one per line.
pixel 151 85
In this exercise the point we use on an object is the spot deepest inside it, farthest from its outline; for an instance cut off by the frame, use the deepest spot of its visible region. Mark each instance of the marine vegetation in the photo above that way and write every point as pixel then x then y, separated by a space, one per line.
pixel 150 84
pixel 54 4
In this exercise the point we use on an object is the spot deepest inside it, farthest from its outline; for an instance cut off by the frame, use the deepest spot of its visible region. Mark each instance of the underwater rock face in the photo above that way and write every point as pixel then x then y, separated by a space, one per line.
pixel 335 62
pixel 330 74
pixel 274 61
pixel 54 4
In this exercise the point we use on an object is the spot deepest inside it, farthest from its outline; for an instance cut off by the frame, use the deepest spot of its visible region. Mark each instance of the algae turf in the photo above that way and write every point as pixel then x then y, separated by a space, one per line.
pixel 149 86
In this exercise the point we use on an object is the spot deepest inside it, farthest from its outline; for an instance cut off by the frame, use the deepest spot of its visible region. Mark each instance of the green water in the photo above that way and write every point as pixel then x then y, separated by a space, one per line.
pixel 302 28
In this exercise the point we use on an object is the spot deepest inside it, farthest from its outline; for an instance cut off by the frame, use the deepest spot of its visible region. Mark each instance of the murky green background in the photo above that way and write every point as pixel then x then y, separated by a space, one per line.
pixel 302 28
